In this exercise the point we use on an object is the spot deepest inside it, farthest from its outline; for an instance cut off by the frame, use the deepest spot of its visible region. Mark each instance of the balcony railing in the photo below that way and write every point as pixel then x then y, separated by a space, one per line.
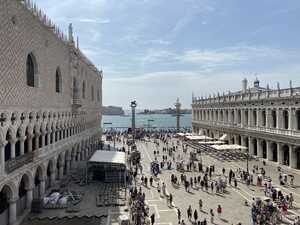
pixel 18 162
pixel 254 128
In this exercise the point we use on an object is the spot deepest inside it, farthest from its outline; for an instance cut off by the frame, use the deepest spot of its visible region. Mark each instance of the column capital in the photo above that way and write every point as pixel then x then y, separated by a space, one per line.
pixel 13 141
pixel 30 188
pixel 22 138
pixel 3 143
pixel 13 200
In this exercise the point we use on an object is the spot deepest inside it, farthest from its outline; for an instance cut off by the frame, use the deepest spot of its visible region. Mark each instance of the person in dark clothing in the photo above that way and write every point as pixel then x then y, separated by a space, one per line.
pixel 178 215
pixel 195 215
pixel 152 217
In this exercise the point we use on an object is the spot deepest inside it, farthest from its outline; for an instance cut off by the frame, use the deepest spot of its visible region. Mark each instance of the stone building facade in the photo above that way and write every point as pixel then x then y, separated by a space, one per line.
pixel 265 121
pixel 50 106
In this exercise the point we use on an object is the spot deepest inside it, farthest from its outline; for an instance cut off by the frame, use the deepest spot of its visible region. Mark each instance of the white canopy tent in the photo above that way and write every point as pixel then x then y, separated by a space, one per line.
pixel 211 142
pixel 198 137
pixel 107 166
pixel 229 147
pixel 223 138
pixel 111 157
pixel 184 134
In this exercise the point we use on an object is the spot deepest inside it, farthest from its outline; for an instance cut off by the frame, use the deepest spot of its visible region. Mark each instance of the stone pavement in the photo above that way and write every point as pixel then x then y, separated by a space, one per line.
pixel 232 202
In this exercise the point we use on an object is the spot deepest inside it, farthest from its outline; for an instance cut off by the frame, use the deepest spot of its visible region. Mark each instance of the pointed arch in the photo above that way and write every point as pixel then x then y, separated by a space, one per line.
pixel 31 70
pixel 58 81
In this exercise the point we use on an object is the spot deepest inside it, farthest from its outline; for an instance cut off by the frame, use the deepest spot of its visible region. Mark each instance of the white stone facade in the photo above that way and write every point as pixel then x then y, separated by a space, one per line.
pixel 46 127
pixel 264 120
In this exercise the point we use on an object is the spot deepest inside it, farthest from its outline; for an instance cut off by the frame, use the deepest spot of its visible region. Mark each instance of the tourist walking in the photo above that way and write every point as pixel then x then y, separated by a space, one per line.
pixel 171 200
pixel 200 204
pixel 219 210
pixel 291 200
pixel 178 215
pixel 212 215
pixel 152 218
pixel 189 212
pixel 195 215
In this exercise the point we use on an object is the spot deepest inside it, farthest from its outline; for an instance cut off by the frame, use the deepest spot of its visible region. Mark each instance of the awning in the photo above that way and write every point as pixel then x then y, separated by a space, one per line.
pixel 229 147
pixel 198 137
pixel 184 134
pixel 109 157
pixel 211 142
pixel 223 138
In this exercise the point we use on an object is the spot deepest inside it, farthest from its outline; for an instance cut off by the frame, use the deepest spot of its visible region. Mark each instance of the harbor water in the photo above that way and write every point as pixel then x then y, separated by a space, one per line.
pixel 159 121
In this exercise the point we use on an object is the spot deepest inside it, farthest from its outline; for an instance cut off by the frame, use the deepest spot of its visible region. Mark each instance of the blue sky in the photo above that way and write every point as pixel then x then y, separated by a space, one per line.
pixel 154 51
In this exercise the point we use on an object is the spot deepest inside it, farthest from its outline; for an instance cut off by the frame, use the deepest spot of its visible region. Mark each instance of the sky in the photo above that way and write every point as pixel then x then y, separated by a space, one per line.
pixel 154 51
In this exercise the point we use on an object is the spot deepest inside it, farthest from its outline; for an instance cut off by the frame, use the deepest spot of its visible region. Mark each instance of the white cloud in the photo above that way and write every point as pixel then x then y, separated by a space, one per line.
pixel 155 55
pixel 99 21
pixel 160 41
pixel 196 56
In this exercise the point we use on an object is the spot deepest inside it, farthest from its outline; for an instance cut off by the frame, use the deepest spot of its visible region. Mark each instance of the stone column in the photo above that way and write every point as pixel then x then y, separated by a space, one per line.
pixel 280 154
pixel 37 135
pixel 61 172
pixel 268 118
pixel 2 157
pixel 42 188
pixel 29 197
pixel 12 148
pixel 52 177
pixel 48 138
pixel 229 119
pixel 53 135
pixel 251 147
pixel 259 149
pixel 29 143
pixel 292 119
pixel 235 139
pixel 12 211
pixel 269 151
pixel 279 118
pixel 243 141
pixel 68 165
pixel 22 140
pixel 293 159
pixel 242 117
pixel 258 118
pixel 43 139
pixel 235 113
pixel 250 117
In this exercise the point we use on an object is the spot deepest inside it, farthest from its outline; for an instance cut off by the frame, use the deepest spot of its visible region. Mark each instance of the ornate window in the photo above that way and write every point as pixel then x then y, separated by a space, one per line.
pixel 31 71
pixel 58 81
pixel 92 92
pixel 83 89
pixel 98 95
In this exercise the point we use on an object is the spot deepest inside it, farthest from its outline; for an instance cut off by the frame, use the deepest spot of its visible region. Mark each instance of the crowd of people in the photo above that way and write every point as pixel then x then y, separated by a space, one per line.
pixel 167 154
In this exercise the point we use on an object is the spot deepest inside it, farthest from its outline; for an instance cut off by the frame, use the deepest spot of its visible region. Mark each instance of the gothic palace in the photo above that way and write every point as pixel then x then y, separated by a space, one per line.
pixel 50 106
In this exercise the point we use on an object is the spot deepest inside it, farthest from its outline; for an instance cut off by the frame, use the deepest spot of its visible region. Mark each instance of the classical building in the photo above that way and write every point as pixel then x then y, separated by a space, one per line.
pixel 266 121
pixel 50 106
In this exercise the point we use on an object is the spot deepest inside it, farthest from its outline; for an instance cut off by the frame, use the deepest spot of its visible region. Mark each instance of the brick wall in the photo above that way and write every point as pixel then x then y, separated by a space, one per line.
pixel 22 33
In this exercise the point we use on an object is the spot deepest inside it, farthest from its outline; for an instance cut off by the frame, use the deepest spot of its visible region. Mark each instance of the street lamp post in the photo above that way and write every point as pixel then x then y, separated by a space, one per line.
pixel 178 105
pixel 247 161
pixel 133 105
